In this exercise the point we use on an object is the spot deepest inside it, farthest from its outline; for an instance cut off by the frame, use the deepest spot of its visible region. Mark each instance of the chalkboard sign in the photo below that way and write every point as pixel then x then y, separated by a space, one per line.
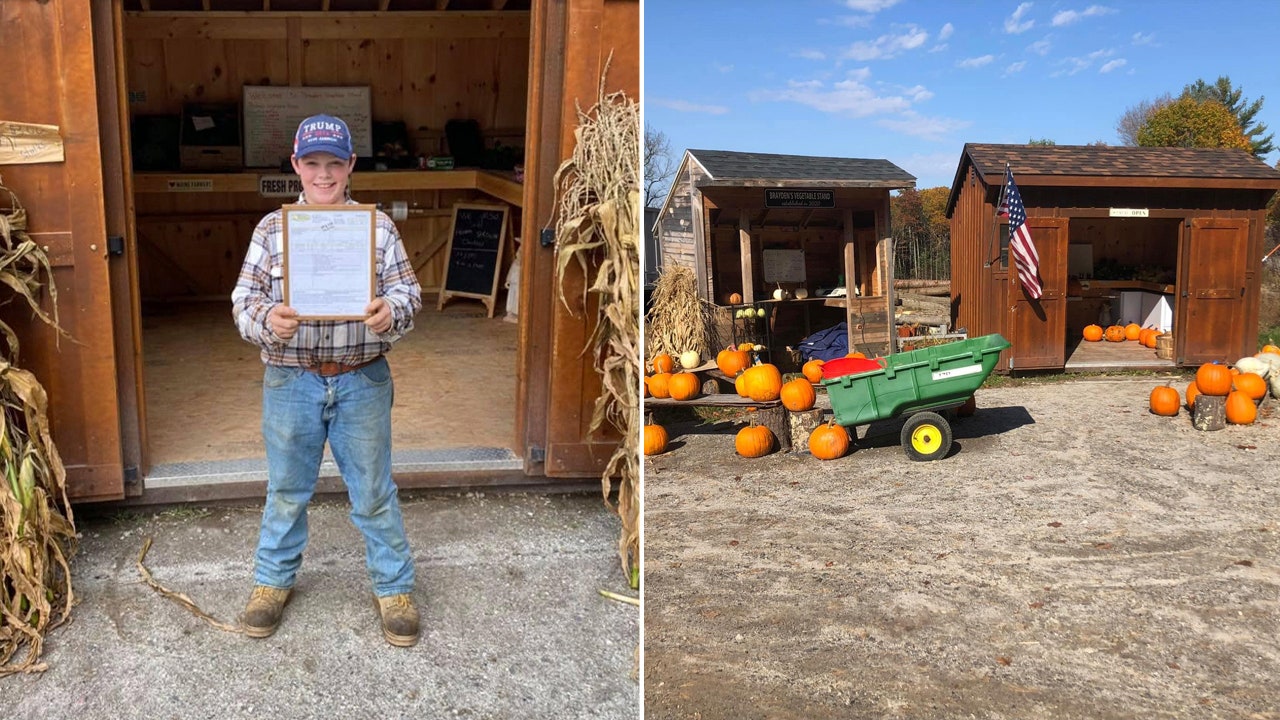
pixel 474 256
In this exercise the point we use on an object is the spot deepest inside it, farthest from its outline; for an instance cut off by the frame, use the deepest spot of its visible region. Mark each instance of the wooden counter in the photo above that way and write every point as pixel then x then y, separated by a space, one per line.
pixel 500 185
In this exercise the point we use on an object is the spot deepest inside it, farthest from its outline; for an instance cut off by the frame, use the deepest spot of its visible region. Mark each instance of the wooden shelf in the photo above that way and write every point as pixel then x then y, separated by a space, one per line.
pixel 501 186
pixel 1126 285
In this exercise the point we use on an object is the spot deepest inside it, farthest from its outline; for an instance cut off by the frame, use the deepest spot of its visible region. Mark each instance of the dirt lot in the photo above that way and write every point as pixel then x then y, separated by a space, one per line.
pixel 1074 556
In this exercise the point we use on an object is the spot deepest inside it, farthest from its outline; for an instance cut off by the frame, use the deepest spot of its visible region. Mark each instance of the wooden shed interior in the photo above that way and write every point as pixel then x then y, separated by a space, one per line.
pixel 425 63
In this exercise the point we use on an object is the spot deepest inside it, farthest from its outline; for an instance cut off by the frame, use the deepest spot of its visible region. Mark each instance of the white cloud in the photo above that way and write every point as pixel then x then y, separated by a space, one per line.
pixel 939 48
pixel 928 128
pixel 1073 65
pixel 918 93
pixel 1016 67
pixel 1040 47
pixel 854 21
pixel 1147 39
pixel 1113 65
pixel 808 54
pixel 946 31
pixel 976 62
pixel 851 97
pixel 723 68
pixel 1066 17
pixel 887 46
pixel 686 106
pixel 933 169
pixel 1014 23
pixel 870 6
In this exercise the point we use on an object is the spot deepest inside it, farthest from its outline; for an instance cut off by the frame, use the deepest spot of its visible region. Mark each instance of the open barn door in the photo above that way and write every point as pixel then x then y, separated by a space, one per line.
pixel 570 46
pixel 1212 293
pixel 1038 328
pixel 50 79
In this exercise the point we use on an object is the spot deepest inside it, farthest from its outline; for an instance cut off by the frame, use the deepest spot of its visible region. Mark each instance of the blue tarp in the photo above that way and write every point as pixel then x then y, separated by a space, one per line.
pixel 827 344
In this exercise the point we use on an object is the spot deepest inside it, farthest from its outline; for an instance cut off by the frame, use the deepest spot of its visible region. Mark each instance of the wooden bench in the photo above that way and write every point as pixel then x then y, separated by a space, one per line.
pixel 790 428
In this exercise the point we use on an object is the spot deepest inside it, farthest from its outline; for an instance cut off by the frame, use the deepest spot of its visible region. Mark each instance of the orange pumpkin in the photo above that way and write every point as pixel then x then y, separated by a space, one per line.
pixel 829 441
pixel 733 299
pixel 1114 333
pixel 1144 336
pixel 1270 349
pixel 797 395
pixel 739 384
pixel 754 441
pixel 655 439
pixel 683 386
pixel 1132 331
pixel 1192 392
pixel 813 370
pixel 1093 333
pixel 1165 401
pixel 663 363
pixel 1251 384
pixel 644 392
pixel 659 385
pixel 732 361
pixel 1213 379
pixel 762 382
pixel 856 354
pixel 1240 409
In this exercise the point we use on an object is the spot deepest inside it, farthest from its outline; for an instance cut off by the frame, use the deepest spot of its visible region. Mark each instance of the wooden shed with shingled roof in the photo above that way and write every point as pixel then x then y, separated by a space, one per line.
pixel 814 228
pixel 1161 236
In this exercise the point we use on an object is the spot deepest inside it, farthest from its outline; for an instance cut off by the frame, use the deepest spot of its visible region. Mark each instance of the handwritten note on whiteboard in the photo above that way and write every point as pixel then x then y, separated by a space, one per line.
pixel 272 114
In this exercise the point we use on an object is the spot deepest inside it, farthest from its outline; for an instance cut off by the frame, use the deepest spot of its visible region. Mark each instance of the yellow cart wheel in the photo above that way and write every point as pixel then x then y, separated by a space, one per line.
pixel 926 436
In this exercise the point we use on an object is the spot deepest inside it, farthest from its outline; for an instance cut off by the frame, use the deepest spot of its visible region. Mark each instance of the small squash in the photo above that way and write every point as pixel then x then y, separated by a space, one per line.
pixel 1192 392
pixel 1165 401
pixel 1251 384
pixel 1132 331
pixel 683 386
pixel 655 439
pixel 813 370
pixel 1240 409
pixel 1269 349
pixel 797 395
pixel 1213 379
pixel 1093 333
pixel 663 363
pixel 746 347
pixel 754 441
pixel 659 385
pixel 829 441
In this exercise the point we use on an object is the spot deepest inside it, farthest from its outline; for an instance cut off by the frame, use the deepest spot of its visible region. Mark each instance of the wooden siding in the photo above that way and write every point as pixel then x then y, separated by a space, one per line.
pixel 675 226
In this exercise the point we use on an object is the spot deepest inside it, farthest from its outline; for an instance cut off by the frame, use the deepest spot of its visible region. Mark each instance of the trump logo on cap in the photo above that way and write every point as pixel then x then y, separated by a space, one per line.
pixel 322 133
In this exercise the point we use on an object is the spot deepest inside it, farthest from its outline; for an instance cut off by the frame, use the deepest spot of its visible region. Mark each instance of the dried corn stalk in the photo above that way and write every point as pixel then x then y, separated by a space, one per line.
pixel 678 318
pixel 38 528
pixel 598 225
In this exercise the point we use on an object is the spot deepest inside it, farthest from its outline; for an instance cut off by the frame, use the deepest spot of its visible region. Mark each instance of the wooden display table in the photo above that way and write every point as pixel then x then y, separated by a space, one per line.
pixel 770 414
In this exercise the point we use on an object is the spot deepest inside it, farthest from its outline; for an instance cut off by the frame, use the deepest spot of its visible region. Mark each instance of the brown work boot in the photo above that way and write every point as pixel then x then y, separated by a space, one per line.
pixel 399 619
pixel 262 614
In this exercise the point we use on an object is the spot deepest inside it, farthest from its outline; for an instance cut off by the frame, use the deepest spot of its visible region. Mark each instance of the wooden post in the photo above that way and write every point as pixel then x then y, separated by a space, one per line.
pixel 1210 412
pixel 850 273
pixel 801 424
pixel 744 248
pixel 775 418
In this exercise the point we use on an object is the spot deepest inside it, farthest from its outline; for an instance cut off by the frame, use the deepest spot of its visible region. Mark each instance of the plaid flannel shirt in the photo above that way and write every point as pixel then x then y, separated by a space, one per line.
pixel 261 285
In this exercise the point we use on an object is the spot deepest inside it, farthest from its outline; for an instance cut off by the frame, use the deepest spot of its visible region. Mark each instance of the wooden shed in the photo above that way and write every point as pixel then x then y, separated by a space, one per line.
pixel 157 398
pixel 1164 237
pixel 750 224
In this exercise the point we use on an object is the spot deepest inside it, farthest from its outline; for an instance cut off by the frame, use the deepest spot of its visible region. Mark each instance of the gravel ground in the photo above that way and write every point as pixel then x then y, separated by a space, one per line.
pixel 1073 556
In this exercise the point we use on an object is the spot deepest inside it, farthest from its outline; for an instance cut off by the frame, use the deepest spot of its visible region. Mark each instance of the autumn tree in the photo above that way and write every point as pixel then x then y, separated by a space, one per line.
pixel 659 166
pixel 1135 117
pixel 1244 111
pixel 922 233
pixel 1187 122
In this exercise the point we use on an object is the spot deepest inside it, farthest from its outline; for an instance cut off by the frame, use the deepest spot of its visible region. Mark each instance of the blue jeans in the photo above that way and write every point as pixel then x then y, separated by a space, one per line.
pixel 300 410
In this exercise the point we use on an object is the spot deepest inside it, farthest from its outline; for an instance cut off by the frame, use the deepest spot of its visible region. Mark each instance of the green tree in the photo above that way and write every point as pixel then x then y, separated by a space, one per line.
pixel 1187 122
pixel 1041 141
pixel 1244 111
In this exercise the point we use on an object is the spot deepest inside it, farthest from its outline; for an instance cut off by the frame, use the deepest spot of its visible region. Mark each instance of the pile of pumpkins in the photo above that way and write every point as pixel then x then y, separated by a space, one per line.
pixel 1245 385
pixel 1120 333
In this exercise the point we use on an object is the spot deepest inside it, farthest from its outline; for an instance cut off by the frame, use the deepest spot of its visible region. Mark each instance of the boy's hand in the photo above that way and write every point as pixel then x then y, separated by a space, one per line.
pixel 283 321
pixel 378 316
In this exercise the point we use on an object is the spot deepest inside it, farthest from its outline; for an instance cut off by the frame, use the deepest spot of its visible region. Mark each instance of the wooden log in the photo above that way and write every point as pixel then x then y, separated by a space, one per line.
pixel 1210 412
pixel 775 418
pixel 800 425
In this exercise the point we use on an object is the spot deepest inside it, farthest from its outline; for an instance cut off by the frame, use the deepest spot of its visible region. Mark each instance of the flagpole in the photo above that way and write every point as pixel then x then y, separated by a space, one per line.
pixel 992 255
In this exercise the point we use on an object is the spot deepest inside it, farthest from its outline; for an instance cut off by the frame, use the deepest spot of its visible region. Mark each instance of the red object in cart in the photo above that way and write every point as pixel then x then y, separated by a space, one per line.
pixel 848 366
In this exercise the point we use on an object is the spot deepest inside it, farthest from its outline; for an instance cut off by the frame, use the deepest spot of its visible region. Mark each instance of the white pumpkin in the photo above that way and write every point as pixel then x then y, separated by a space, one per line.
pixel 779 294
pixel 689 359
pixel 802 293
pixel 1253 365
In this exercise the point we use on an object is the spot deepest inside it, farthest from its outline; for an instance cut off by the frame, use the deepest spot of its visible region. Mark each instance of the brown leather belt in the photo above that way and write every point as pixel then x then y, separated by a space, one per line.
pixel 329 369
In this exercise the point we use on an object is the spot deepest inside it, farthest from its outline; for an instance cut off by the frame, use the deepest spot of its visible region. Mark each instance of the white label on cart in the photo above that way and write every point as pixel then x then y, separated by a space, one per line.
pixel 958 372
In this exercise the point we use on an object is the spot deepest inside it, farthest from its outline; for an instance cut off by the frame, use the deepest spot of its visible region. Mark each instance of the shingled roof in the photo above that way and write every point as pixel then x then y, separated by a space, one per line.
pixel 1106 166
pixel 742 169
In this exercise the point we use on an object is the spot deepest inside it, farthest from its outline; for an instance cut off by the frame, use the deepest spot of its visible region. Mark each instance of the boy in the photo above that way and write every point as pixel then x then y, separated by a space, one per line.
pixel 327 380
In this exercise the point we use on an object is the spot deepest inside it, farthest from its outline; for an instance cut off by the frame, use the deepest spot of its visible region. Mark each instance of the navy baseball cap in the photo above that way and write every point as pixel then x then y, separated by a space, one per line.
pixel 322 133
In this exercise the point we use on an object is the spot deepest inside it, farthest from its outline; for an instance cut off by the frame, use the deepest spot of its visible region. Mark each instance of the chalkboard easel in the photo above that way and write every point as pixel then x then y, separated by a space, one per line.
pixel 473 259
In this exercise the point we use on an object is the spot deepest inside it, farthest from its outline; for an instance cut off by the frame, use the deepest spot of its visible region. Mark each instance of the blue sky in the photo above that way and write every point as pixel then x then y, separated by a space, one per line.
pixel 911 81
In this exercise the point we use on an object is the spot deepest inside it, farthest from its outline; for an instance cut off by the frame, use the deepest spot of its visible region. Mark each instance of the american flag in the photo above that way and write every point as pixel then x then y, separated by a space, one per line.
pixel 1020 245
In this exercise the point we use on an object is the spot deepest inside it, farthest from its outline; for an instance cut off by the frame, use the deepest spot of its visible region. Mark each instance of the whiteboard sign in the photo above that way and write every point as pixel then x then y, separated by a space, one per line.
pixel 783 266
pixel 272 114
pixel 1129 212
